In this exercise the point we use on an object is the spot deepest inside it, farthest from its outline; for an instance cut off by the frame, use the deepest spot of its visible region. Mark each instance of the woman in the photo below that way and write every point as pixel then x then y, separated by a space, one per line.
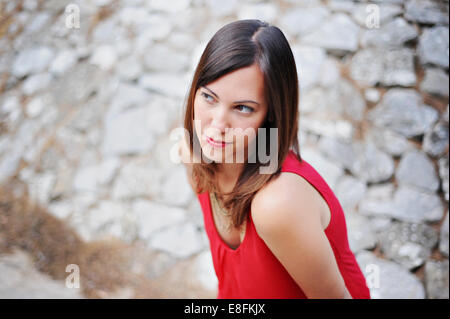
pixel 280 234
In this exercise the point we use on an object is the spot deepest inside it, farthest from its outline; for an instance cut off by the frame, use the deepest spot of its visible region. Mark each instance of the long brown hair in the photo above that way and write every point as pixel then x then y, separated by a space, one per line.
pixel 236 45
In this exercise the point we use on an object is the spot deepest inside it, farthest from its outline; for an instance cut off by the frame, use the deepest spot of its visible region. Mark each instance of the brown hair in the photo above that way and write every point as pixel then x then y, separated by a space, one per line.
pixel 236 45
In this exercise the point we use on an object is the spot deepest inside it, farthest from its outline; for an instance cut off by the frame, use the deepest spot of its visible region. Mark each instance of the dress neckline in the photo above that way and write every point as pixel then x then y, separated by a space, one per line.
pixel 216 232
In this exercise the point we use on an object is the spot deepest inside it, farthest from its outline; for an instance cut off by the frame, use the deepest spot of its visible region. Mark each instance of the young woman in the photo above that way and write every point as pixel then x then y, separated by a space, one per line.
pixel 272 235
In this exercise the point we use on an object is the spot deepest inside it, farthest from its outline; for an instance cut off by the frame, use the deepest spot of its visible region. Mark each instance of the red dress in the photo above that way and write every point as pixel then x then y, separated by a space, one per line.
pixel 253 272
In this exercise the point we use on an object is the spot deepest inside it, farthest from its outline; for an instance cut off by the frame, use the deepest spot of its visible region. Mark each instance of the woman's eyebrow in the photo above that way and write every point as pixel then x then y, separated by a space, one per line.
pixel 242 101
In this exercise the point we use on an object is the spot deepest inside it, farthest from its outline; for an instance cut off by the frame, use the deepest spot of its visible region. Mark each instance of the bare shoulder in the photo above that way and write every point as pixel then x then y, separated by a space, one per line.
pixel 284 199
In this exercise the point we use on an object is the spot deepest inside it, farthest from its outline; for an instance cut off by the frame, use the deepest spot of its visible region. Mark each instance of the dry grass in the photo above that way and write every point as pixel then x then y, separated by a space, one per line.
pixel 104 265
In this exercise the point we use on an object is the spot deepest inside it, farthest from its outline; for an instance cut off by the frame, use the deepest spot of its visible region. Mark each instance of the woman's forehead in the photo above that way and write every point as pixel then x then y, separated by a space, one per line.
pixel 242 84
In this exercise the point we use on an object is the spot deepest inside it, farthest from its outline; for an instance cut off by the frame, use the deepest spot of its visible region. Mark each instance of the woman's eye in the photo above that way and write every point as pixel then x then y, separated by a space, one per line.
pixel 207 97
pixel 248 109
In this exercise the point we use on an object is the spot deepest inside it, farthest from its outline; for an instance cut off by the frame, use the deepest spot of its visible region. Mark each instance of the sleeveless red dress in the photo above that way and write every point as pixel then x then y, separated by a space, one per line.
pixel 253 272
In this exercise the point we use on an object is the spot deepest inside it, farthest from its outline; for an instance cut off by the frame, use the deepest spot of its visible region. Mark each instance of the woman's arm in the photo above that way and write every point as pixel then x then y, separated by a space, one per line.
pixel 288 220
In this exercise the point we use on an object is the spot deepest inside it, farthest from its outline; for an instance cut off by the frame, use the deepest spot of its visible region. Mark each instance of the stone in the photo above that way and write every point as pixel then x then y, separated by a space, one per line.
pixel 435 141
pixel 205 271
pixel 416 206
pixel 104 56
pixel 402 111
pixel 175 189
pixel 363 159
pixel 409 244
pixel 36 83
pixel 388 67
pixel 389 141
pixel 161 58
pixel 433 47
pixel 32 60
pixel 378 200
pixel 388 280
pixel 361 13
pixel 301 21
pixel 222 8
pixel 35 106
pixel 350 191
pixel 330 170
pixel 169 84
pixel 181 240
pixel 443 240
pixel 20 280
pixel 339 34
pixel 91 178
pixel 435 82
pixel 161 6
pixel 137 179
pixel 393 34
pixel 309 62
pixel 263 11
pixel 443 174
pixel 360 234
pixel 63 61
pixel 427 11
pixel 416 169
pixel 128 133
pixel 436 279
pixel 152 216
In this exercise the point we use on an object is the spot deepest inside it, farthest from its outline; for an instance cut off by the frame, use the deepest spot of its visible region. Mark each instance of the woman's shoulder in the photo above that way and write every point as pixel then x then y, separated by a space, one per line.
pixel 288 195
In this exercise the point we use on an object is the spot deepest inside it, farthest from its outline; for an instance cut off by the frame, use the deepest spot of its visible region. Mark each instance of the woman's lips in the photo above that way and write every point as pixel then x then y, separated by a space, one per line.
pixel 215 143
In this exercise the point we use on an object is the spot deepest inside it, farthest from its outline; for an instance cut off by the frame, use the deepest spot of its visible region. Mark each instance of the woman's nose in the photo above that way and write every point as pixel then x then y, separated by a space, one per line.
pixel 220 119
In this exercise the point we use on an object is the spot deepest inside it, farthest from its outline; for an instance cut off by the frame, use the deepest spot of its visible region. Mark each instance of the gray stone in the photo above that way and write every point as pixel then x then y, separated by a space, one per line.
pixel 361 14
pixel 378 201
pixel 360 234
pixel 350 191
pixel 416 206
pixel 33 60
pixel 20 280
pixel 161 58
pixel 435 142
pixel 63 61
pixel 443 242
pixel 402 111
pixel 433 46
pixel 175 189
pixel 393 34
pixel 104 56
pixel 436 279
pixel 389 141
pixel 339 35
pixel 435 82
pixel 427 11
pixel 382 66
pixel 263 11
pixel 443 174
pixel 128 133
pixel 388 280
pixel 330 170
pixel 36 83
pixel 182 240
pixel 416 169
pixel 137 179
pixel 169 84
pixel 301 21
pixel 309 62
pixel 152 217
pixel 409 244
pixel 205 270
pixel 363 159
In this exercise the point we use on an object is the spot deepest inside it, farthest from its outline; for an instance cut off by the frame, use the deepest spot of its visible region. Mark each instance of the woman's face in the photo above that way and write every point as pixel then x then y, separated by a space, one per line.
pixel 227 110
